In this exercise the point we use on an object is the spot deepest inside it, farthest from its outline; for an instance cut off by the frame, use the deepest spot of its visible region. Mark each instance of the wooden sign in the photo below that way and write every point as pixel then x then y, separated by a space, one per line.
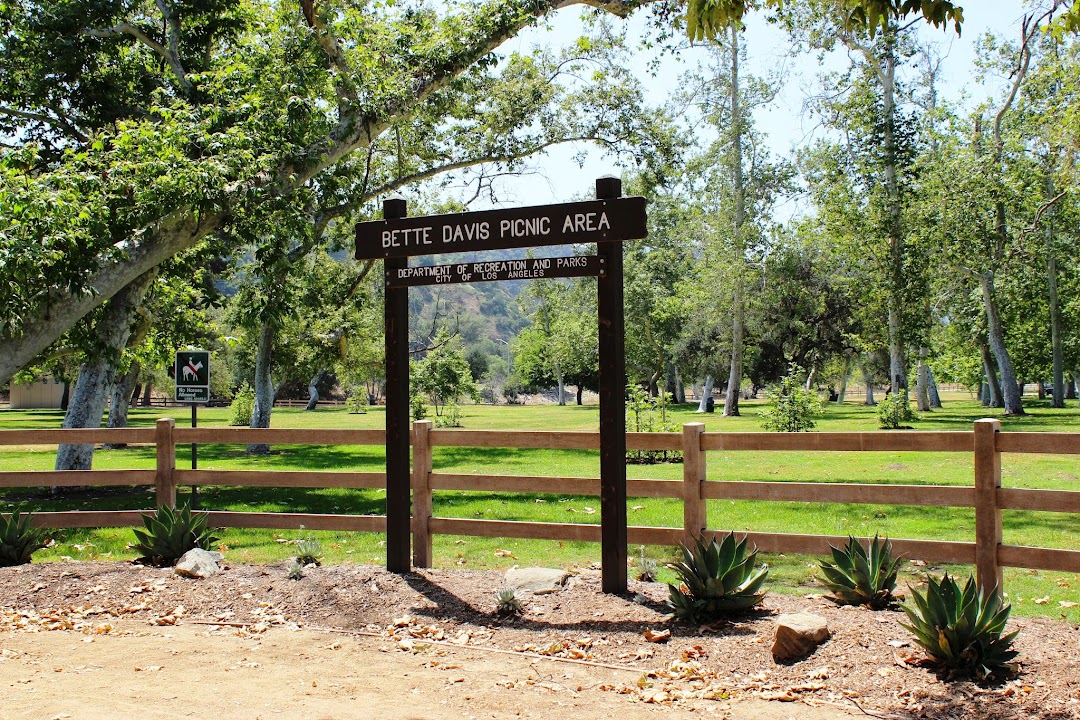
pixel 592 221
pixel 605 221
pixel 495 270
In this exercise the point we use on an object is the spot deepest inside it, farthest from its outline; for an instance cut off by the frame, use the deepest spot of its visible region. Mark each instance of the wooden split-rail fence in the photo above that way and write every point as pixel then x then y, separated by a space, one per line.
pixel 986 495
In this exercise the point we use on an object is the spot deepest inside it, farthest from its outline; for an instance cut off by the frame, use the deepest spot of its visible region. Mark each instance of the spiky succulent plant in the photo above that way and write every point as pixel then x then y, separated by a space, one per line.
pixel 508 602
pixel 18 540
pixel 646 567
pixel 308 551
pixel 169 533
pixel 717 578
pixel 862 576
pixel 961 629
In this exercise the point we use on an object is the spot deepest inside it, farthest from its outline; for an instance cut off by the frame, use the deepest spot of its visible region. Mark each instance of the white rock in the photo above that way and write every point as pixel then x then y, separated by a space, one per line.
pixel 198 563
pixel 538 581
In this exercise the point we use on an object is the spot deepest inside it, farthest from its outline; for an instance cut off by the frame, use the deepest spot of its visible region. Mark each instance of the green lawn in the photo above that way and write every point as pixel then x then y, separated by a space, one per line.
pixel 791 573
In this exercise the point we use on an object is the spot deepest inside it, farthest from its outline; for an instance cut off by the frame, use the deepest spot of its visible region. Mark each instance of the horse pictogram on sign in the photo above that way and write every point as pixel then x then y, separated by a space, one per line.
pixel 192 376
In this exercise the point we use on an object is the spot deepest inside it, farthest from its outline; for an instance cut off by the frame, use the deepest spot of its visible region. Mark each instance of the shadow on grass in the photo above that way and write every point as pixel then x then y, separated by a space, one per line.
pixel 294 500
pixel 455 457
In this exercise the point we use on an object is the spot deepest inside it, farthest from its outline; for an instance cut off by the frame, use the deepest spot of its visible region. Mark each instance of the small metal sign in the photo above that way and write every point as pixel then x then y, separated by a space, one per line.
pixel 494 270
pixel 192 376
pixel 590 221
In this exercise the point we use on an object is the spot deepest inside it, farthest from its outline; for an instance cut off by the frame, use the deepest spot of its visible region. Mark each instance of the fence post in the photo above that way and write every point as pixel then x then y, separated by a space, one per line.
pixel 695 516
pixel 987 512
pixel 421 493
pixel 164 480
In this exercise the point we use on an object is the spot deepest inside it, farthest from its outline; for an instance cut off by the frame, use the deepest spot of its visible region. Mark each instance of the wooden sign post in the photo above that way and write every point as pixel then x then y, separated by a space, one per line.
pixel 606 221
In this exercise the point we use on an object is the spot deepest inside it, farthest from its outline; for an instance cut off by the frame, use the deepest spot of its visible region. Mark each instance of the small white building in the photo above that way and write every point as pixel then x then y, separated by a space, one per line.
pixel 46 392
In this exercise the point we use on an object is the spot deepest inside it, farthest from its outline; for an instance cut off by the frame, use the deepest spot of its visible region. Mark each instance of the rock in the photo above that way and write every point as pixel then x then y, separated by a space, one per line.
pixel 199 563
pixel 798 635
pixel 538 581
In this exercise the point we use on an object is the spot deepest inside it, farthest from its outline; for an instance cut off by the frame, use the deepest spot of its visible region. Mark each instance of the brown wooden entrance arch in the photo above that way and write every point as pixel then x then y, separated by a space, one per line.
pixel 606 221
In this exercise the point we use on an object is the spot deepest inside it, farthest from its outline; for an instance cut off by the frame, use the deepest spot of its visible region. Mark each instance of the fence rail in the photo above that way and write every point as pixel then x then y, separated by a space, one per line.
pixel 985 443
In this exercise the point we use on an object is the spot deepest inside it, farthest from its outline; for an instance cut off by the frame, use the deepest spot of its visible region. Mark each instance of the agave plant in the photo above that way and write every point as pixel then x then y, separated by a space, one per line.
pixel 646 566
pixel 961 629
pixel 862 576
pixel 308 551
pixel 507 602
pixel 18 540
pixel 171 533
pixel 717 577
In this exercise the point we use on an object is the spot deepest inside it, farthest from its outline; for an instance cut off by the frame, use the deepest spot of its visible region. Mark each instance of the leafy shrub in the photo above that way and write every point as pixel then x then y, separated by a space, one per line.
pixel 961 629
pixel 417 407
pixel 717 578
pixel 18 540
pixel 357 400
pixel 794 406
pixel 894 412
pixel 512 391
pixel 169 533
pixel 242 406
pixel 646 414
pixel 507 602
pixel 859 576
pixel 451 416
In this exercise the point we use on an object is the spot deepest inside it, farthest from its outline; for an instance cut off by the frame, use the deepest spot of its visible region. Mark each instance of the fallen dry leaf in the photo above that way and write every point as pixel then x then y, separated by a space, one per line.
pixel 657 636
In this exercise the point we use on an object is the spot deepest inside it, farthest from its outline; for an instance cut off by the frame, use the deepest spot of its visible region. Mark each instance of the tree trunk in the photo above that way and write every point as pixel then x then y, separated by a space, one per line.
pixel 680 388
pixel 894 231
pixel 995 332
pixel 922 383
pixel 97 375
pixel 121 401
pixel 313 390
pixel 1070 387
pixel 580 391
pixel 935 397
pixel 147 395
pixel 65 396
pixel 135 393
pixel 734 386
pixel 869 382
pixel 844 373
pixel 560 381
pixel 706 393
pixel 993 388
pixel 264 387
pixel 1056 352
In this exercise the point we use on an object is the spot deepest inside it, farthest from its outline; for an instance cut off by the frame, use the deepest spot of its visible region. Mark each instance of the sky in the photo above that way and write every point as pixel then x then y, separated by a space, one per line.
pixel 556 176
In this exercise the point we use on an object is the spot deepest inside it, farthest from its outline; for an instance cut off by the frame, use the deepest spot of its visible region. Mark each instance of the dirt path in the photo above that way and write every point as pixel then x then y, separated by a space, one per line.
pixel 189 671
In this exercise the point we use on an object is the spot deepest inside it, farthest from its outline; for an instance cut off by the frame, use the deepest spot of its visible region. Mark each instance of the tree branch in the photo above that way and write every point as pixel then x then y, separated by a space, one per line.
pixel 1042 209
pixel 47 119
pixel 183 227
pixel 328 42
pixel 168 54
pixel 173 27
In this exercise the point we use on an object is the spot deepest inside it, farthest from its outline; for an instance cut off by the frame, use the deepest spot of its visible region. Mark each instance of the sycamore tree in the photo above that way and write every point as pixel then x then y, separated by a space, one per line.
pixel 134 130
pixel 495 114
